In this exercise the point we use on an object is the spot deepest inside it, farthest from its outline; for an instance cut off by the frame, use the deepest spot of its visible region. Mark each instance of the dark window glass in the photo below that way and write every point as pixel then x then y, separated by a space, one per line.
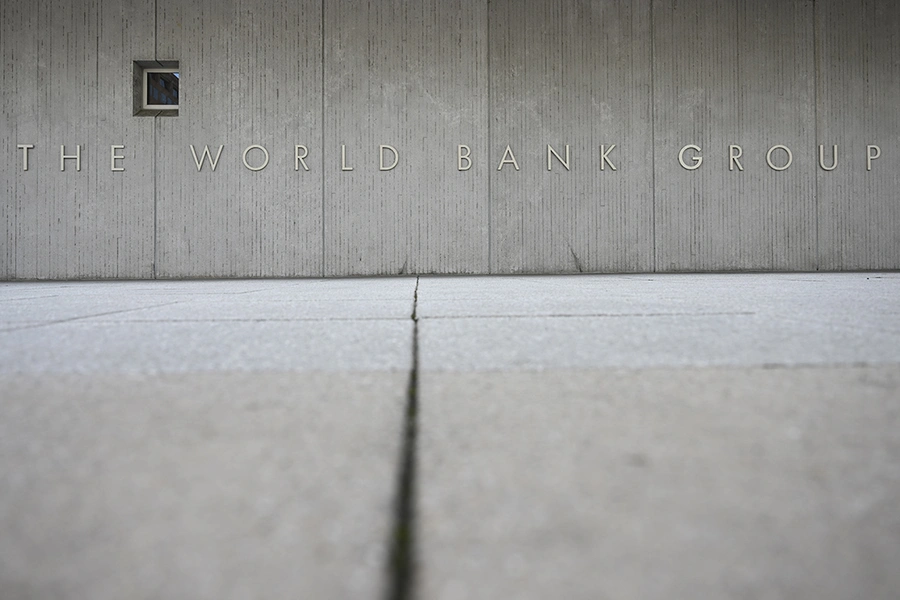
pixel 162 88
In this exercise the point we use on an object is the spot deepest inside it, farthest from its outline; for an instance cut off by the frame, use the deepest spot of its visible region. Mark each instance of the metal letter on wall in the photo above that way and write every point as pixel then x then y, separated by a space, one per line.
pixel 870 156
pixel 214 162
pixel 381 165
pixel 834 159
pixel 113 157
pixel 508 159
pixel 551 153
pixel 463 157
pixel 300 159
pixel 265 160
pixel 25 148
pixel 63 157
pixel 735 153
pixel 698 160
pixel 790 158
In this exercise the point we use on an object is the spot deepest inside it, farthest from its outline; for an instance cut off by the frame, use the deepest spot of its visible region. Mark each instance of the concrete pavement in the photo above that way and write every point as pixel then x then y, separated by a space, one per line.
pixel 639 436
pixel 220 439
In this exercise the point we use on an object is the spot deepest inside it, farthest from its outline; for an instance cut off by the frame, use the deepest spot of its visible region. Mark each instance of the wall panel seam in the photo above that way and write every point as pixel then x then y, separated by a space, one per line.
pixel 155 272
pixel 322 137
pixel 816 98
pixel 653 133
pixel 155 166
pixel 490 203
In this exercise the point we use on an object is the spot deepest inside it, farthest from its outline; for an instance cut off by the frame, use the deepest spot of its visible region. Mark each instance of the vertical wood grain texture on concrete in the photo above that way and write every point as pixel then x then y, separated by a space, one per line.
pixel 251 74
pixel 67 81
pixel 858 50
pixel 411 74
pixel 737 73
pixel 424 76
pixel 575 73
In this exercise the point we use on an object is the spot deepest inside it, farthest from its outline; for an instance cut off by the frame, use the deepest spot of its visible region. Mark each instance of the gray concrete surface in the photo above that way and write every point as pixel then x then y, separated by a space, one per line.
pixel 412 75
pixel 67 80
pixel 665 483
pixel 251 74
pixel 681 436
pixel 666 436
pixel 181 326
pixel 715 218
pixel 233 439
pixel 851 106
pixel 425 76
pixel 578 75
pixel 658 320
pixel 213 485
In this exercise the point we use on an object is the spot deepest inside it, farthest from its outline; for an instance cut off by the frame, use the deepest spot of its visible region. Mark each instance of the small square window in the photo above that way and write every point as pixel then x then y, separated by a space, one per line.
pixel 156 88
pixel 161 89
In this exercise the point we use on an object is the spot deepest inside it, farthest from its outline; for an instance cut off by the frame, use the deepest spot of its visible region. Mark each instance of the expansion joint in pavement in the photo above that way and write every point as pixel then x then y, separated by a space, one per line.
pixel 401 568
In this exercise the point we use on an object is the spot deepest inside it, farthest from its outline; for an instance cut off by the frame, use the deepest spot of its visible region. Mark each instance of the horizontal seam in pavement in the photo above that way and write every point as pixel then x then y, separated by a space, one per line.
pixel 594 315
pixel 401 541
pixel 849 326
pixel 61 321
pixel 666 367
pixel 28 298
pixel 258 320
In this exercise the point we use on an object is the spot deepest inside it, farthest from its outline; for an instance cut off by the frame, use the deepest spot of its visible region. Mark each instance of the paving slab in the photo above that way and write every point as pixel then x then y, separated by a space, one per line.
pixel 198 485
pixel 596 436
pixel 530 343
pixel 251 300
pixel 190 326
pixel 182 347
pixel 683 436
pixel 660 483
pixel 834 296
pixel 654 321
pixel 201 439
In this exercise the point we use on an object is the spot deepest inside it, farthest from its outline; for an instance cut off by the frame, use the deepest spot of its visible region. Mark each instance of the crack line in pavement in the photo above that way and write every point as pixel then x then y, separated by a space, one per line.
pixel 593 315
pixel 83 317
pixel 28 298
pixel 259 320
pixel 402 562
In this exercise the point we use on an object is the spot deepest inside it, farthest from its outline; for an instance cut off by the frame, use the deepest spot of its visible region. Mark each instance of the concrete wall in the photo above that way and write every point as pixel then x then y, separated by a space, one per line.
pixel 743 74
pixel 411 75
pixel 577 74
pixel 858 50
pixel 66 80
pixel 425 76
pixel 255 73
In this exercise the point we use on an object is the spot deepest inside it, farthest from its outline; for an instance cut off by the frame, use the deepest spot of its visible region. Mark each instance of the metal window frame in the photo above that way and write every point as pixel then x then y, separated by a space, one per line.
pixel 144 99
